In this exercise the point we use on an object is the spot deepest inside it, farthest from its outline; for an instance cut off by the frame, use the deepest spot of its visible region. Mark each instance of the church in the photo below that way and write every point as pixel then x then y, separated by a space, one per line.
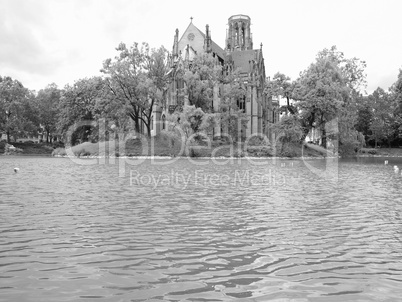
pixel 238 54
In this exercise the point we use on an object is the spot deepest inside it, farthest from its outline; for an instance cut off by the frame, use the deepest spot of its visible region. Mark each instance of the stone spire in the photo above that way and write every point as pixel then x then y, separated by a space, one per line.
pixel 207 40
pixel 176 44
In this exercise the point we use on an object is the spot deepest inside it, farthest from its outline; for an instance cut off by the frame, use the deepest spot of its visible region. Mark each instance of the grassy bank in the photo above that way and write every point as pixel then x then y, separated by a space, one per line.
pixel 168 146
pixel 385 152
pixel 30 148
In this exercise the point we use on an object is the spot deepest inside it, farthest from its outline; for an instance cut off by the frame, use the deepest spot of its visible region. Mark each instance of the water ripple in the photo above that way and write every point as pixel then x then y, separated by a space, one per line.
pixel 71 232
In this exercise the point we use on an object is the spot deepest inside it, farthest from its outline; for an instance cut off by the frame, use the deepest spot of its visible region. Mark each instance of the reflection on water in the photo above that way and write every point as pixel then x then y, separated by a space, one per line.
pixel 183 232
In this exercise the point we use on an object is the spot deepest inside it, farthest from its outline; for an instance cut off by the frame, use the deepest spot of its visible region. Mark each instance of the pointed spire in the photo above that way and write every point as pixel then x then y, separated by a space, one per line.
pixel 207 40
pixel 176 44
pixel 187 54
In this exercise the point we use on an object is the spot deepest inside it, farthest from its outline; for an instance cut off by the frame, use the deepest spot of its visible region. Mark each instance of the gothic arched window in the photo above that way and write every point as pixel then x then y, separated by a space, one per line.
pixel 241 103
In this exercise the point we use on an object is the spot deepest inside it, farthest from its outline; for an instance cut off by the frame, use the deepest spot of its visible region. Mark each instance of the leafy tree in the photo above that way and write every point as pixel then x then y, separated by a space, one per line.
pixel 232 104
pixel 192 121
pixel 350 140
pixel 364 117
pixel 328 90
pixel 15 108
pixel 396 97
pixel 190 126
pixel 205 78
pixel 352 70
pixel 281 86
pixel 78 103
pixel 136 80
pixel 287 131
pixel 201 76
pixel 396 90
pixel 47 103
pixel 383 120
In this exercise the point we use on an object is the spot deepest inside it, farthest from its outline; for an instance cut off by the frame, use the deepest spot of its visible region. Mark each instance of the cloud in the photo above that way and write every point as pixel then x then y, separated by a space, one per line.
pixel 44 41
pixel 23 36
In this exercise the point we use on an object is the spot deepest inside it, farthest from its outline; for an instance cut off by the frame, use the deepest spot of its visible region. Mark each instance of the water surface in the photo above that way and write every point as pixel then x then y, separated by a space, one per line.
pixel 188 232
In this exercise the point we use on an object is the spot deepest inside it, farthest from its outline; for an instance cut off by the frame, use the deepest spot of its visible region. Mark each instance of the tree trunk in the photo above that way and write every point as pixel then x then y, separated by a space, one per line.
pixel 137 126
pixel 47 136
pixel 8 136
pixel 148 129
pixel 323 138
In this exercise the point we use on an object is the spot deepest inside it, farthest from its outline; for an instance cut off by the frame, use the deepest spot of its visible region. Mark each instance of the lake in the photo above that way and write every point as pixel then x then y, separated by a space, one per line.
pixel 200 230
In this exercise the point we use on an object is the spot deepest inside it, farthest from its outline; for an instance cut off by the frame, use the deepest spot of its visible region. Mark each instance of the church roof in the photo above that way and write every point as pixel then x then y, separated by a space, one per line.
pixel 215 47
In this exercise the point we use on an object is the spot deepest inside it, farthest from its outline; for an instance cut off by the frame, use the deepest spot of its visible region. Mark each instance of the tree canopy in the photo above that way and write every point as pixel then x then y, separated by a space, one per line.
pixel 47 103
pixel 78 102
pixel 136 81
pixel 16 117
pixel 328 90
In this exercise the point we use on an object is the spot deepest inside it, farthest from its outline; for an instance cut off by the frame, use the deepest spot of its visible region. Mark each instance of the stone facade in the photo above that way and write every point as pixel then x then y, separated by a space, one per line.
pixel 237 55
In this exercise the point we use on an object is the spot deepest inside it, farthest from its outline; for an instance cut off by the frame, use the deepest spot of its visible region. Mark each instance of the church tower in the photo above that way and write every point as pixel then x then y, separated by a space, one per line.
pixel 239 56
pixel 239 36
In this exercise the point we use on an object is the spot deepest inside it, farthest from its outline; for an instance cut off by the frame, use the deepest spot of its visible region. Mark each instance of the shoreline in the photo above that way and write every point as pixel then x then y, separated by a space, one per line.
pixel 257 152
pixel 202 157
pixel 198 157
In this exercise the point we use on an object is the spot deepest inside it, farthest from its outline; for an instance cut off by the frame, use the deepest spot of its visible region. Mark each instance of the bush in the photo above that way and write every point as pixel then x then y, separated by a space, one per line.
pixel 58 144
pixel 257 141
pixel 348 148
pixel 260 151
pixel 238 153
pixel 59 152
pixel 85 153
pixel 192 152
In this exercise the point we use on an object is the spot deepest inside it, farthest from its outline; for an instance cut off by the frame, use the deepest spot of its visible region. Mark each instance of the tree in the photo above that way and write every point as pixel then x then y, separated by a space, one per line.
pixel 14 108
pixel 136 80
pixel 396 98
pixel 200 78
pixel 396 90
pixel 47 102
pixel 280 86
pixel 232 105
pixel 328 90
pixel 189 120
pixel 78 102
pixel 382 116
pixel 193 123
pixel 349 139
pixel 364 117
pixel 206 81
pixel 288 130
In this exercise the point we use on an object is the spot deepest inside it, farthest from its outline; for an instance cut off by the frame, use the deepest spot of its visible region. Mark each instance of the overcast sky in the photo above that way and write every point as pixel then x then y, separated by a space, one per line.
pixel 61 41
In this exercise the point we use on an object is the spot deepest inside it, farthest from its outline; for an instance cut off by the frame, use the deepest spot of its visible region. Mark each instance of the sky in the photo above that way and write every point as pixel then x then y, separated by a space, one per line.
pixel 62 41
